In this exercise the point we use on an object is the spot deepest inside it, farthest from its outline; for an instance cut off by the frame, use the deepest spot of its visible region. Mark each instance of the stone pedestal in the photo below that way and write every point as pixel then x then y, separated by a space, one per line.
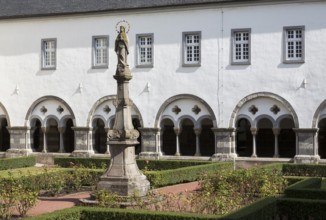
pixel 150 146
pixel 83 142
pixel 123 176
pixel 19 142
pixel 225 146
pixel 306 151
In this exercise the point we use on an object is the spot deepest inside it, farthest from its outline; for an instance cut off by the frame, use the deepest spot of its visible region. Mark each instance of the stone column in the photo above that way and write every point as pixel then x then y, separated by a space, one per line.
pixel 83 139
pixel 149 143
pixel 18 142
pixel 254 133
pixel 44 140
pixel 177 132
pixel 224 144
pixel 306 149
pixel 276 132
pixel 61 131
pixel 107 143
pixel 197 132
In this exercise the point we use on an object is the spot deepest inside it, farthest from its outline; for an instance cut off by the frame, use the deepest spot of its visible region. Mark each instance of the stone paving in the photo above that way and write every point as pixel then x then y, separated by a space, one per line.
pixel 51 204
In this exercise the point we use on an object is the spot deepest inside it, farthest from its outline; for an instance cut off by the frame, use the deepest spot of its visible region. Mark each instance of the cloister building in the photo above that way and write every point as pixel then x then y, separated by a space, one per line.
pixel 212 79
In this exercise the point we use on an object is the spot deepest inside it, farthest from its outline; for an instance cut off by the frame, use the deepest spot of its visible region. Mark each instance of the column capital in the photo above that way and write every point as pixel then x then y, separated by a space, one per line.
pixel 197 131
pixel 276 131
pixel 177 131
pixel 254 131
pixel 61 129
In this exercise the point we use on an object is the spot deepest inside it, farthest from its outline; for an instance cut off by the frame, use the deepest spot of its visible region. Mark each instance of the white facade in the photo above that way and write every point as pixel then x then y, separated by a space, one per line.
pixel 222 91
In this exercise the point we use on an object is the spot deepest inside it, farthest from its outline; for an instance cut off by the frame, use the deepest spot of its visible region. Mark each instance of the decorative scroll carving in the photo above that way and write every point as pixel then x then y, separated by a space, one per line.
pixel 253 109
pixel 196 109
pixel 275 109
pixel 60 109
pixel 176 109
pixel 43 109
pixel 107 109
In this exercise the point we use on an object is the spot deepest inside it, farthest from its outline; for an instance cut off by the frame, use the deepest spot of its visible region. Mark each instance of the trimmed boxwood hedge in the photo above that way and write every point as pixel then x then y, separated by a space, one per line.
pixel 92 213
pixel 262 209
pixel 185 174
pixel 17 162
pixel 301 208
pixel 81 162
pixel 142 164
pixel 307 189
pixel 313 170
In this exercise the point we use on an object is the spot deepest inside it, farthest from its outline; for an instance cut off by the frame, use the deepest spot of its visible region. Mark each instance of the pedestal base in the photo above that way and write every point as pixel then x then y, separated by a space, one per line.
pixel 123 176
pixel 150 155
pixel 18 152
pixel 224 157
pixel 82 153
pixel 306 159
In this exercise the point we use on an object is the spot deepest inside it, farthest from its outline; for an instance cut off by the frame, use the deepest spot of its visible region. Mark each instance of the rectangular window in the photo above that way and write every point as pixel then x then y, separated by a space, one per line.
pixel 100 51
pixel 191 48
pixel 49 53
pixel 145 50
pixel 294 44
pixel 241 46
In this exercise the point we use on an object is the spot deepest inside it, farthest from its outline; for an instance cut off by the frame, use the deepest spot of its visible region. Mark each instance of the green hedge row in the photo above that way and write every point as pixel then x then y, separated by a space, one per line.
pixel 290 208
pixel 185 174
pixel 313 170
pixel 17 162
pixel 92 213
pixel 81 162
pixel 142 164
pixel 168 164
pixel 262 209
pixel 306 189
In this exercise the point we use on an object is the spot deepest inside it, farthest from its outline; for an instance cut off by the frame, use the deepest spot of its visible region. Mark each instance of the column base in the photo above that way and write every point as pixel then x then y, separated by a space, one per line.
pixel 82 153
pixel 18 152
pixel 150 155
pixel 306 159
pixel 224 157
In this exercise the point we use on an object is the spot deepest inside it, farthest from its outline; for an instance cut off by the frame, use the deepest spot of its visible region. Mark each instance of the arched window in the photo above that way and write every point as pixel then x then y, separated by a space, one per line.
pixel 207 138
pixel 168 137
pixel 52 136
pixel 4 135
pixel 322 138
pixel 265 138
pixel 286 139
pixel 100 136
pixel 187 138
pixel 244 138
pixel 69 137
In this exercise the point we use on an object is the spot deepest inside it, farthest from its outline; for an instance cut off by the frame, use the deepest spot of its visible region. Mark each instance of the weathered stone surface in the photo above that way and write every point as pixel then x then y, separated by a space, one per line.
pixel 123 176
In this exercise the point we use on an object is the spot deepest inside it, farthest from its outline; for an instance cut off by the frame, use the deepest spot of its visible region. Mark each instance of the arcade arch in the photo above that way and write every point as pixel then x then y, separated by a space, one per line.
pixel 101 118
pixel 51 121
pixel 185 123
pixel 264 126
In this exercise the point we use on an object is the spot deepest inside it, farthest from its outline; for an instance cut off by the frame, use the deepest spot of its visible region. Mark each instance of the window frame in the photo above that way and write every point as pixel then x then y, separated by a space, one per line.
pixel 185 63
pixel 138 56
pixel 233 47
pixel 100 66
pixel 286 59
pixel 43 52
